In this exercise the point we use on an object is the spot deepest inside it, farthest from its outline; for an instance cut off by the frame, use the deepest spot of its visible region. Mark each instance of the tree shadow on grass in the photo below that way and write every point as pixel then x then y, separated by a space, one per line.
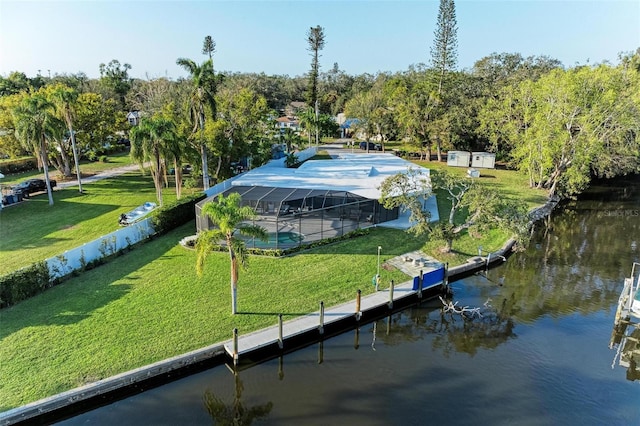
pixel 77 298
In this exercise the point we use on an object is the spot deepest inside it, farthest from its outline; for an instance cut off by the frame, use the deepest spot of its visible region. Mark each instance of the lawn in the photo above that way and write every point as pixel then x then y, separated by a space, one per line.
pixel 32 231
pixel 149 304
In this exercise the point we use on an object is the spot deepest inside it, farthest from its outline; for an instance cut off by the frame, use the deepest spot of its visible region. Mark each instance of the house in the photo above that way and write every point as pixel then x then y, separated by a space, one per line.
pixel 288 123
pixel 320 199
pixel 133 118
pixel 294 108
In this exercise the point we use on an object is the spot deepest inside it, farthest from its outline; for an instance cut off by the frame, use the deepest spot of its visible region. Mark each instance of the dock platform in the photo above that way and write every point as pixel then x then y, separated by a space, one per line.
pixel 298 332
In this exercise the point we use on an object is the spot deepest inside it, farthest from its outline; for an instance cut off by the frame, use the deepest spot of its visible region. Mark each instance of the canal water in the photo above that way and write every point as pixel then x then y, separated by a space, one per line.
pixel 535 353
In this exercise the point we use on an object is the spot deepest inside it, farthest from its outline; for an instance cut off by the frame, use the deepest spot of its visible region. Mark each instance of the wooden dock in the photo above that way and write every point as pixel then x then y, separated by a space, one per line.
pixel 290 335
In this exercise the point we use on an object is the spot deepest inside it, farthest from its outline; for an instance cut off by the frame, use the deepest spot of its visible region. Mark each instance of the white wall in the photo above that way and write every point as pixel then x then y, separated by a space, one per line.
pixel 77 258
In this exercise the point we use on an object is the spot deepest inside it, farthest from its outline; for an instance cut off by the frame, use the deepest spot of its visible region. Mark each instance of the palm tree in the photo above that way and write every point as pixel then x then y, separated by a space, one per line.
pixel 64 98
pixel 229 216
pixel 150 142
pixel 35 122
pixel 202 96
pixel 307 118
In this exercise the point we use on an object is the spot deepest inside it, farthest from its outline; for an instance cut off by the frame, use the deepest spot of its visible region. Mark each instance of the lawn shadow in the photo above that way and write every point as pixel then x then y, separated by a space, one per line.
pixel 76 298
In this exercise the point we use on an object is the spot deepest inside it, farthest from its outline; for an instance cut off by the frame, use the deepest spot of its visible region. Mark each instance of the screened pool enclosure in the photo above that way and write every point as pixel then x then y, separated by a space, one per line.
pixel 295 216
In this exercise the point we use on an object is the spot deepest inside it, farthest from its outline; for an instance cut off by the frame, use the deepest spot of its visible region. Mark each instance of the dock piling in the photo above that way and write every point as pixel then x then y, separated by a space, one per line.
pixel 321 326
pixel 358 298
pixel 420 278
pixel 235 347
pixel 390 304
pixel 280 339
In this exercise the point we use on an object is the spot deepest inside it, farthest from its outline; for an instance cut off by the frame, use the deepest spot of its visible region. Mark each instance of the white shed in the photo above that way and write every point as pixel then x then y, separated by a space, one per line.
pixel 458 158
pixel 485 160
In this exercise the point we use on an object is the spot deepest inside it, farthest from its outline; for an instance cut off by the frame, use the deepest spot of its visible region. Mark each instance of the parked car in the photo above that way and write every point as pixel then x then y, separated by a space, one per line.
pixel 372 146
pixel 30 186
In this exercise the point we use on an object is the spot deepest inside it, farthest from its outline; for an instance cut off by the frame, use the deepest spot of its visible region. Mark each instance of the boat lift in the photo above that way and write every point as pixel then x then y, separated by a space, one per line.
pixel 626 327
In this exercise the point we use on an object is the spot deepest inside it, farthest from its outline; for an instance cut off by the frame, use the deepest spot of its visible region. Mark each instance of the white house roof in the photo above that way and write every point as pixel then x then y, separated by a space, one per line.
pixel 360 174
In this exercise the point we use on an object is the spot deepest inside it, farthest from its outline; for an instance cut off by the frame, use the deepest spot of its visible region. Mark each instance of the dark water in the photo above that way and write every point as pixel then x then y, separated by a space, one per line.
pixel 539 355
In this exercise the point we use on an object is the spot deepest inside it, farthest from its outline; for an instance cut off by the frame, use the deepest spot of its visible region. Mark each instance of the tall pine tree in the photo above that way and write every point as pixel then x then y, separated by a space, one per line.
pixel 443 60
pixel 445 44
pixel 315 38
pixel 208 46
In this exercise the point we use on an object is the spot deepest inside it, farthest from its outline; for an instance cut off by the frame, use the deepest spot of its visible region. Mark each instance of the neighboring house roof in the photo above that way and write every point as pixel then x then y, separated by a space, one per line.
pixel 360 174
pixel 287 120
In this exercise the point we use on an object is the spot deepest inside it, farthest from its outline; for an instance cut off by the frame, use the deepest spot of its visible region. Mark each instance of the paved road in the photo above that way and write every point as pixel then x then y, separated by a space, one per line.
pixel 102 175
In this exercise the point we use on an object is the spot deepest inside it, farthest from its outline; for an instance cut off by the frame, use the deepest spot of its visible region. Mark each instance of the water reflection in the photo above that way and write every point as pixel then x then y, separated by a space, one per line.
pixel 235 413
pixel 626 341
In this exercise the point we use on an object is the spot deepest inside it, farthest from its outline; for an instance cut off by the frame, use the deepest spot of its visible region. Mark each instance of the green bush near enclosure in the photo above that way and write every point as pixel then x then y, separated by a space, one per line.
pixel 175 214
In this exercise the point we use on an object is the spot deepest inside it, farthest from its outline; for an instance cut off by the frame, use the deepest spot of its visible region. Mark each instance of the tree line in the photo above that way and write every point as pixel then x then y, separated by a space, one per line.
pixel 561 126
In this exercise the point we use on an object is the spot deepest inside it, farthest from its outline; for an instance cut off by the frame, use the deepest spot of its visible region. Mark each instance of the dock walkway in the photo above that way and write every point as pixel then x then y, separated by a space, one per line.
pixel 336 318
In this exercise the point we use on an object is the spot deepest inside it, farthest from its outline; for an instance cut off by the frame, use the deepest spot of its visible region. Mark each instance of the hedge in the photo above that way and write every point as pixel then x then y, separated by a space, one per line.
pixel 175 214
pixel 18 166
pixel 24 283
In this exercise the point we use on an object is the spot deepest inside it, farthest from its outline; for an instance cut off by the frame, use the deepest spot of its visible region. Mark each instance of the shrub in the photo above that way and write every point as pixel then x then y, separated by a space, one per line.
pixel 104 159
pixel 178 213
pixel 23 283
pixel 18 165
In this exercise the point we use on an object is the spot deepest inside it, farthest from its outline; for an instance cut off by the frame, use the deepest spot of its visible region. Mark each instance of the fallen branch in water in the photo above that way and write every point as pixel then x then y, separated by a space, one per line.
pixel 465 311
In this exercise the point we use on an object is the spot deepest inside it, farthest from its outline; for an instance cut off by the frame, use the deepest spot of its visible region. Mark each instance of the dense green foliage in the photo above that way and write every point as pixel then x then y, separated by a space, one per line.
pixel 175 214
pixel 23 283
pixel 18 165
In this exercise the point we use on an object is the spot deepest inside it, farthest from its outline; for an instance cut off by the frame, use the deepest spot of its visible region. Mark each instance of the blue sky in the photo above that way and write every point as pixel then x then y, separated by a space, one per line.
pixel 269 36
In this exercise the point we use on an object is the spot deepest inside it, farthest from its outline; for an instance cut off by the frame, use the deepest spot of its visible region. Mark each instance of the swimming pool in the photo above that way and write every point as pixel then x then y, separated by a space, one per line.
pixel 277 240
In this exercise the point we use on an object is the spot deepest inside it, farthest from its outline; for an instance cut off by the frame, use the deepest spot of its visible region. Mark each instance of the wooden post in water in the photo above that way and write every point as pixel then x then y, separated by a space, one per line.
pixel 281 368
pixel 280 339
pixel 235 347
pixel 358 297
pixel 445 282
pixel 390 304
pixel 420 285
pixel 321 326
pixel 487 265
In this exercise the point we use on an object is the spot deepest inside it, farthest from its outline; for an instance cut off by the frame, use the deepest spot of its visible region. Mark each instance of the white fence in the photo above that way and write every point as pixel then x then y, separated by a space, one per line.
pixel 77 258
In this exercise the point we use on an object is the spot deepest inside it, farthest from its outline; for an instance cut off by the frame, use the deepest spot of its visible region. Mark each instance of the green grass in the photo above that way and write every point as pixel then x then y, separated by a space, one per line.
pixel 32 231
pixel 148 305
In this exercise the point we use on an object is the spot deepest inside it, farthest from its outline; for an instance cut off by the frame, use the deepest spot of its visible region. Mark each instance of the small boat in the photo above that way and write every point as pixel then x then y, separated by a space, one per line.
pixel 136 214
